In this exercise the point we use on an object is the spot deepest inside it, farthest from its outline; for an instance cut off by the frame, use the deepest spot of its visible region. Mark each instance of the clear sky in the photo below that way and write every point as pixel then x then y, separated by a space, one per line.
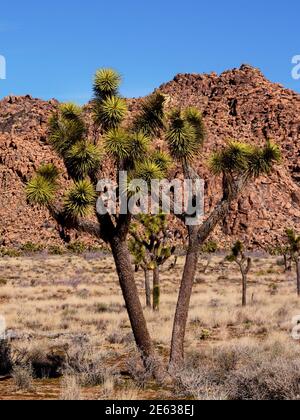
pixel 52 48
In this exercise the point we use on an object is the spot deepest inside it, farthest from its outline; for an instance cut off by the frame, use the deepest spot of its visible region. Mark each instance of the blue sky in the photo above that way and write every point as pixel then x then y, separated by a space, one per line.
pixel 53 48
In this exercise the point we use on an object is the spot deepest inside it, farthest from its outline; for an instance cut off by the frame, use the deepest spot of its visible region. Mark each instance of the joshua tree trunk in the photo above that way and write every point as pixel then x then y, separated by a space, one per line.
pixel 244 300
pixel 196 239
pixel 147 288
pixel 183 303
pixel 298 276
pixel 156 289
pixel 135 311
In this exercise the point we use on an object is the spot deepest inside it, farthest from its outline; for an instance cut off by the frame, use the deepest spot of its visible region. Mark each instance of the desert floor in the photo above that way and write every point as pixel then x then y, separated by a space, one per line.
pixel 67 312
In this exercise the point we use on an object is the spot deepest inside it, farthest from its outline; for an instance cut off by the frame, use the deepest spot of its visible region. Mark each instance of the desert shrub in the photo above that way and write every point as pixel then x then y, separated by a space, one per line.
pixel 276 380
pixel 30 248
pixel 45 362
pixel 56 250
pixel 23 377
pixel 116 337
pixel 70 388
pixel 9 252
pixel 77 247
pixel 197 384
pixel 90 369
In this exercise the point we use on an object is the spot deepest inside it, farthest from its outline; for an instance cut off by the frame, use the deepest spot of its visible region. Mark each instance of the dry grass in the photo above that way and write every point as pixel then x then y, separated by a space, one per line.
pixel 56 305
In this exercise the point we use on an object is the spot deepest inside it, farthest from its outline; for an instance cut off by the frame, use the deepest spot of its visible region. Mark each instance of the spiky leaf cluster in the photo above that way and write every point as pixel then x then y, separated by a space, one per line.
pixel 82 160
pixel 106 83
pixel 236 251
pixel 80 199
pixel 109 112
pixel 66 128
pixel 48 171
pixel 184 134
pixel 148 171
pixel 241 158
pixel 293 241
pixel 151 117
pixel 40 191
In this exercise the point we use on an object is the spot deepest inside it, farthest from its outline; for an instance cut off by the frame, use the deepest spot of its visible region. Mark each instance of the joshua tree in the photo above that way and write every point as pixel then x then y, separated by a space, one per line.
pixel 151 246
pixel 238 256
pixel 209 248
pixel 294 252
pixel 284 251
pixel 130 149
pixel 238 164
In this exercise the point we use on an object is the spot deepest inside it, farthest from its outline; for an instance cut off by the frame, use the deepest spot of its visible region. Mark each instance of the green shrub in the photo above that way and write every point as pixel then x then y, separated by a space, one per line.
pixel 56 250
pixel 7 252
pixel 77 247
pixel 30 247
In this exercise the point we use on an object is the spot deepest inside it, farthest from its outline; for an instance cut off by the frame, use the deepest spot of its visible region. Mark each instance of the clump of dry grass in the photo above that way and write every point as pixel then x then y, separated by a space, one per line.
pixel 23 377
pixel 275 380
pixel 70 388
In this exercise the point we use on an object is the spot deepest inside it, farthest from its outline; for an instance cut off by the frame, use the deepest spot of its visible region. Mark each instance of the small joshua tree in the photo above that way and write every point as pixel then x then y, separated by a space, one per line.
pixel 151 246
pixel 238 256
pixel 209 248
pixel 294 252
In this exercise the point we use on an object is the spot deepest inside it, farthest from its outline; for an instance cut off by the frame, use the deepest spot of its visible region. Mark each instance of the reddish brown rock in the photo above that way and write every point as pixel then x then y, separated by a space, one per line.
pixel 240 103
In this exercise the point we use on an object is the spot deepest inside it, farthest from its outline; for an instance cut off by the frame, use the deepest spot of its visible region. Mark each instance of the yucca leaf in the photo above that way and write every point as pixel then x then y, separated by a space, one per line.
pixel 139 144
pixel 106 83
pixel 162 159
pixel 148 171
pixel 110 112
pixel 65 132
pixel 193 116
pixel 117 144
pixel 151 117
pixel 70 111
pixel 40 191
pixel 49 171
pixel 233 158
pixel 80 199
pixel 82 159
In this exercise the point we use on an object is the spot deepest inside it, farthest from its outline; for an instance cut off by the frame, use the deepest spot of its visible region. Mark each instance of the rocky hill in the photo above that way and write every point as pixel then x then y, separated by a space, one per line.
pixel 240 104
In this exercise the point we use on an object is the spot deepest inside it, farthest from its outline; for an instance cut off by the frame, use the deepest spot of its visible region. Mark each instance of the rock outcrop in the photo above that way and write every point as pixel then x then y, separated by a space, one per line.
pixel 240 104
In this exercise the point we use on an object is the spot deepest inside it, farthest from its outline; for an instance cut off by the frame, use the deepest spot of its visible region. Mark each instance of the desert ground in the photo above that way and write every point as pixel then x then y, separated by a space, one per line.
pixel 70 336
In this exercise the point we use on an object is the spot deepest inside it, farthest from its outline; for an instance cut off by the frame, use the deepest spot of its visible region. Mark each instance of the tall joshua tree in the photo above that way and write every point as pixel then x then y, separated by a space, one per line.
pixel 294 252
pixel 238 256
pixel 152 247
pixel 238 164
pixel 129 149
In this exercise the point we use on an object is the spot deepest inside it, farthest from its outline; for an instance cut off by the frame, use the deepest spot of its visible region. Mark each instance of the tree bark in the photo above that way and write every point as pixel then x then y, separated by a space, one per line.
pixel 156 289
pixel 147 288
pixel 244 299
pixel 183 303
pixel 196 238
pixel 134 308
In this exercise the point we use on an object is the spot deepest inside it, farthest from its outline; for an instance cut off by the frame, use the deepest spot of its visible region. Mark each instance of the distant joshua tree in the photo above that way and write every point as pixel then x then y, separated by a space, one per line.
pixel 237 255
pixel 209 248
pixel 294 251
pixel 151 246
pixel 129 144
